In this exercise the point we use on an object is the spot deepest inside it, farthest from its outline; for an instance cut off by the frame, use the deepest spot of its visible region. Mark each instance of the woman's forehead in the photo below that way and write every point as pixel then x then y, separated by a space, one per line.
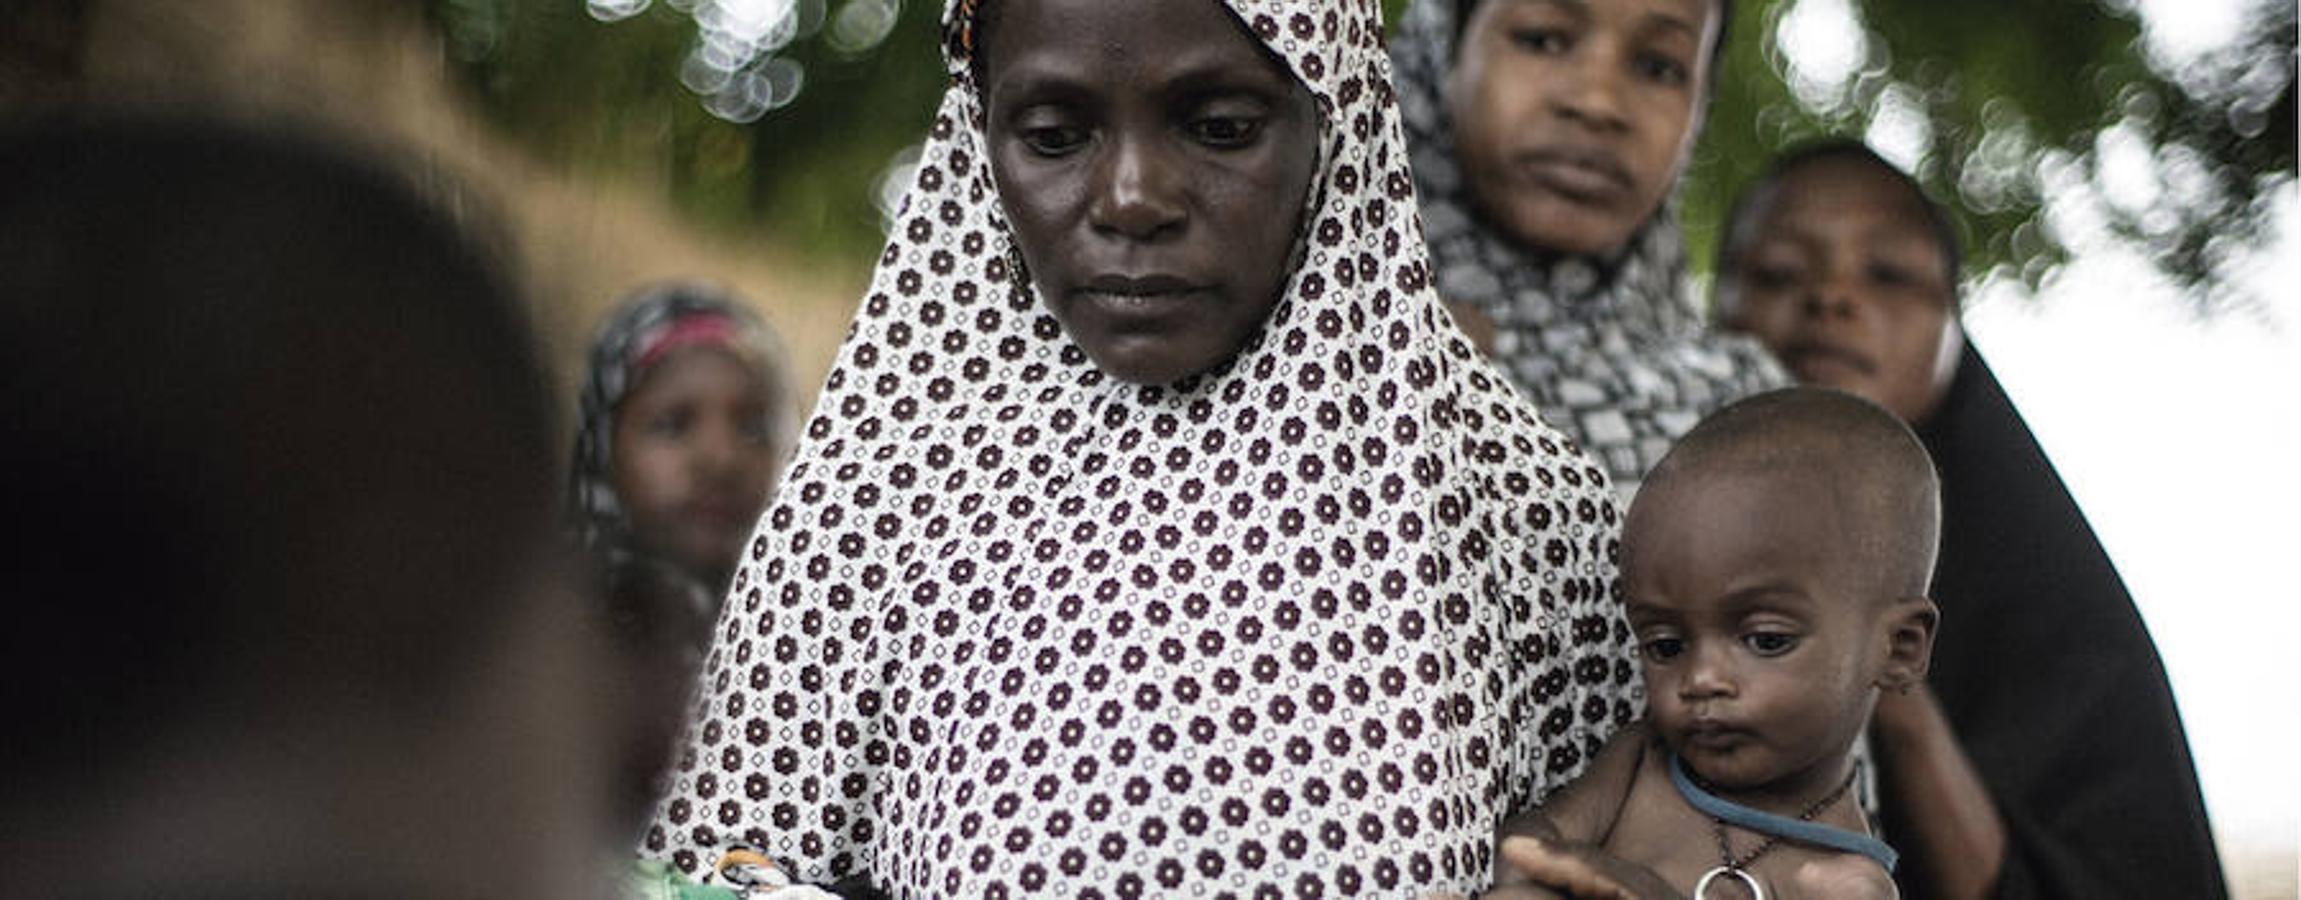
pixel 1085 41
pixel 1322 43
pixel 1690 15
pixel 1824 198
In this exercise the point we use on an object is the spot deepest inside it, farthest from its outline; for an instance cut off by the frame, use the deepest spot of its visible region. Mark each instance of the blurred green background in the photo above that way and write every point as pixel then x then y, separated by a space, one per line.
pixel 784 115
pixel 2101 155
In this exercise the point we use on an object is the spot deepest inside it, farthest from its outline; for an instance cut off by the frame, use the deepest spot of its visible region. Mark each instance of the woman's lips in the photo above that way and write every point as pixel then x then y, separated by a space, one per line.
pixel 1577 174
pixel 1138 296
pixel 1138 285
pixel 721 516
pixel 1828 364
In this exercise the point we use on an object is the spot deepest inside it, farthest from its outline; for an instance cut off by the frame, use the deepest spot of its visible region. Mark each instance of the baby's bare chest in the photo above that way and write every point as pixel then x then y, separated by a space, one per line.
pixel 1659 831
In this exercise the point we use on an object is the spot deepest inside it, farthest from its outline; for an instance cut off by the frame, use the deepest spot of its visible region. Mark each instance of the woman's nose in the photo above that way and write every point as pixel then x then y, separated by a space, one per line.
pixel 1591 91
pixel 1137 190
pixel 1829 298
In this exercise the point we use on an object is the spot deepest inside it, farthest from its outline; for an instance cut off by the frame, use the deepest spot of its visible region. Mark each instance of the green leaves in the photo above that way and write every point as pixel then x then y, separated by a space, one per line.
pixel 2044 124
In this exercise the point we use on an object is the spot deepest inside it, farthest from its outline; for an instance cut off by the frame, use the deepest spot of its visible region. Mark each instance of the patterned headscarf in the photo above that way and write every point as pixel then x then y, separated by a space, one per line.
pixel 1612 350
pixel 1311 622
pixel 642 332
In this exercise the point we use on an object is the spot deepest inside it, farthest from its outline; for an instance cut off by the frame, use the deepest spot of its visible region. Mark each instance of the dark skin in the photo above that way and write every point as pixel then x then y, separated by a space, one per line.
pixel 1763 645
pixel 694 457
pixel 1836 270
pixel 1775 602
pixel 1835 267
pixel 659 626
pixel 1153 161
pixel 1572 119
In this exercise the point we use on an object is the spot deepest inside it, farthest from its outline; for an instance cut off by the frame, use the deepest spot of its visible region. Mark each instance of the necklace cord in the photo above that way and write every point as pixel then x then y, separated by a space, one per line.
pixel 1779 827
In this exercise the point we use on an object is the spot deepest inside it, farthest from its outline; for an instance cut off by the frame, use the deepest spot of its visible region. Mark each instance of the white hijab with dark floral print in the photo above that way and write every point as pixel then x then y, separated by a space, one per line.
pixel 1612 350
pixel 1309 624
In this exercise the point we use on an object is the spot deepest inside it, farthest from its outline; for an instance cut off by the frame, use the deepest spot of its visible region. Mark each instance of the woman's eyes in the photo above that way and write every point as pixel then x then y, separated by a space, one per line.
pixel 1541 40
pixel 1221 131
pixel 1225 132
pixel 1053 140
pixel 1662 648
pixel 1892 274
pixel 1772 276
pixel 1661 69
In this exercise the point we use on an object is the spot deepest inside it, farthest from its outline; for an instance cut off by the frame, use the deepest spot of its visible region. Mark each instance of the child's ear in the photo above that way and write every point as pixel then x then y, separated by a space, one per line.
pixel 1908 629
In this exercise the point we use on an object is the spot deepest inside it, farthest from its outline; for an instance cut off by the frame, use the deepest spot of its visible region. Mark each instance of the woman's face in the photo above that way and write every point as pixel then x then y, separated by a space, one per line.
pixel 694 455
pixel 1572 118
pixel 1154 163
pixel 1838 272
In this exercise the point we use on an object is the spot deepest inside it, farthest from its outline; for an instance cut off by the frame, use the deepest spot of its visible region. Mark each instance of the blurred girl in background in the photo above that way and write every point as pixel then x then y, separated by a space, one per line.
pixel 684 419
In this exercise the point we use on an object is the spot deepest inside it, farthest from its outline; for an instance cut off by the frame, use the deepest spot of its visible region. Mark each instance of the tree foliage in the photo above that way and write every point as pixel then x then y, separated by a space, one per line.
pixel 2046 125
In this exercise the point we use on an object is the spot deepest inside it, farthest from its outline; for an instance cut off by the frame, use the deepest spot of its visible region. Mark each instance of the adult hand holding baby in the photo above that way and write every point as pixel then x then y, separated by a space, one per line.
pixel 1535 868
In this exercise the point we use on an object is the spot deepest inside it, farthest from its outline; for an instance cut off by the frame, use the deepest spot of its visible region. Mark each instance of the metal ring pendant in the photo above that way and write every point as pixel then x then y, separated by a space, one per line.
pixel 1702 887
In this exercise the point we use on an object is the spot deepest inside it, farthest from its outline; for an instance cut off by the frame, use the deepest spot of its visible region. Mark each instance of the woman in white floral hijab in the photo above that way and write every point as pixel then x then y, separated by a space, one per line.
pixel 1547 139
pixel 1156 533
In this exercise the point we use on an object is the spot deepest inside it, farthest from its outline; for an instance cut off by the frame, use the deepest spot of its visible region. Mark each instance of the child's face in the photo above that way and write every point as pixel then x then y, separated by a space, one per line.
pixel 1572 118
pixel 694 455
pixel 1760 640
pixel 1842 278
pixel 1154 161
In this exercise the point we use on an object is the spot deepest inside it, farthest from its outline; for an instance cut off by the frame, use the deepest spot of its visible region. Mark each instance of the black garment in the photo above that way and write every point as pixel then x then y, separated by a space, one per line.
pixel 2049 677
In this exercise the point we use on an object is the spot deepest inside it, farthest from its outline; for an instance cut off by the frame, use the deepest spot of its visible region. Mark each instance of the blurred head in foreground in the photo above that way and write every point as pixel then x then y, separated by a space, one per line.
pixel 286 616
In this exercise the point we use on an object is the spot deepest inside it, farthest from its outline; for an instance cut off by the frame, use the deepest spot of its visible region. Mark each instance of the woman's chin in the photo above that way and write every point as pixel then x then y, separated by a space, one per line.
pixel 1551 224
pixel 1152 364
pixel 1144 374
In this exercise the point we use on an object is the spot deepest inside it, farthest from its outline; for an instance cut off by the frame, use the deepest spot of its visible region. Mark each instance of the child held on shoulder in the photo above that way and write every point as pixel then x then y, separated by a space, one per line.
pixel 1774 568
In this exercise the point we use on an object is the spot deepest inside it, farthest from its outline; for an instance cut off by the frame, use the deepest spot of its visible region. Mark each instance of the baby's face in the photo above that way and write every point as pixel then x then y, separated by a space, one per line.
pixel 1760 647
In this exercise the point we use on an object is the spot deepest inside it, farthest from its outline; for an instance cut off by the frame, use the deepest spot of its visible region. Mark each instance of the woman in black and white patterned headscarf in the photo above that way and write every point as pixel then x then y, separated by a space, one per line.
pixel 1546 140
pixel 1061 598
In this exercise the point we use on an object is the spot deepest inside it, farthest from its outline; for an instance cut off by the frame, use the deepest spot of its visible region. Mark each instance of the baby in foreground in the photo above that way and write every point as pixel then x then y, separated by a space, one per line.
pixel 1775 568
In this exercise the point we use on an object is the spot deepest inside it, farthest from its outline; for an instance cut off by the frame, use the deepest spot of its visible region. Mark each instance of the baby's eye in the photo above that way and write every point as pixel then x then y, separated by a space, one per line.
pixel 1771 643
pixel 1541 40
pixel 1661 649
pixel 1225 132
